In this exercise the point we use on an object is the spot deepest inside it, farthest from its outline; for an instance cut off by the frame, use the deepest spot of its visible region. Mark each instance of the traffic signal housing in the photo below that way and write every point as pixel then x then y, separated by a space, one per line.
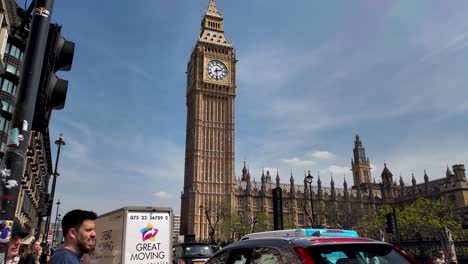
pixel 52 91
pixel 389 228
pixel 277 208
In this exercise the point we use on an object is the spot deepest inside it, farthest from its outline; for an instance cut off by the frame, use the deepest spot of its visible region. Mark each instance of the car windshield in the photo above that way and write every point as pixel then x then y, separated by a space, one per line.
pixel 197 251
pixel 356 254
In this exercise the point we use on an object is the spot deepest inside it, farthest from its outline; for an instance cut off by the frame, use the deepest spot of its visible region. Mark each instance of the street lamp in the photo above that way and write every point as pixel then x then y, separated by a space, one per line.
pixel 56 221
pixel 59 142
pixel 59 222
pixel 309 179
pixel 201 223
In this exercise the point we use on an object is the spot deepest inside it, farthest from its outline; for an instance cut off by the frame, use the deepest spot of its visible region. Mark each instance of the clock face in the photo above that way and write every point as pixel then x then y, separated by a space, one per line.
pixel 216 70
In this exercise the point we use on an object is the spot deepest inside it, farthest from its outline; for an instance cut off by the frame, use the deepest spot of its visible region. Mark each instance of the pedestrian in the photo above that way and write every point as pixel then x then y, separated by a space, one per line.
pixel 30 254
pixel 37 256
pixel 79 237
pixel 13 253
pixel 45 256
pixel 440 259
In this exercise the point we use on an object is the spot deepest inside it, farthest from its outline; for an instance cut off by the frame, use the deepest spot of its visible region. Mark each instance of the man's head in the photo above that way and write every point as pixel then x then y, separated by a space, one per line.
pixel 78 230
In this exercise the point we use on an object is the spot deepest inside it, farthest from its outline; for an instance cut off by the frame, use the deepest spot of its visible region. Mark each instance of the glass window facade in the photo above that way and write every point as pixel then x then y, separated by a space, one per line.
pixel 12 69
pixel 7 106
pixel 14 51
pixel 8 86
pixel 5 127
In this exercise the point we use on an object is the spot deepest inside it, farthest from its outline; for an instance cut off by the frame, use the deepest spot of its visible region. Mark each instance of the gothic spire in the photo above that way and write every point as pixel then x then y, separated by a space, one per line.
pixel 387 176
pixel 332 183
pixel 426 178
pixel 413 180
pixel 212 10
pixel 277 179
pixel 291 180
pixel 212 27
pixel 244 172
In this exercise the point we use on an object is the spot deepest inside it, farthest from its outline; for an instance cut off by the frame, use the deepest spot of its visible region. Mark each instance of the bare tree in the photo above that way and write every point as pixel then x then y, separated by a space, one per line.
pixel 213 216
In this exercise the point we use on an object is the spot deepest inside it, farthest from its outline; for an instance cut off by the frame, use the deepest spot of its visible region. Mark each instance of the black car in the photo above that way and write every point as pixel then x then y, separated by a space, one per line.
pixel 191 253
pixel 310 250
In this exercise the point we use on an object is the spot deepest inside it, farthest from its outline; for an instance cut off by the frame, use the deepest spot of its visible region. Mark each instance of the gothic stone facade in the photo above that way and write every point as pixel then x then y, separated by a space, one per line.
pixel 342 207
pixel 210 186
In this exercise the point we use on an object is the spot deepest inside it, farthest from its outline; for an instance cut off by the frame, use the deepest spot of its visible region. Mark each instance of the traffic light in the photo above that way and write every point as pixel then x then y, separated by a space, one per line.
pixel 52 90
pixel 277 209
pixel 389 223
pixel 465 218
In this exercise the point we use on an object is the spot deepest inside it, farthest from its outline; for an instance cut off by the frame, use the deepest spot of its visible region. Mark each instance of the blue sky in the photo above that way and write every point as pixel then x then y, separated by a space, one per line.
pixel 311 74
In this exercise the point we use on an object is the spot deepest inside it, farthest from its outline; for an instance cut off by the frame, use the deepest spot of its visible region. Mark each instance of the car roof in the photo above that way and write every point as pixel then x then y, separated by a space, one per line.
pixel 192 244
pixel 302 241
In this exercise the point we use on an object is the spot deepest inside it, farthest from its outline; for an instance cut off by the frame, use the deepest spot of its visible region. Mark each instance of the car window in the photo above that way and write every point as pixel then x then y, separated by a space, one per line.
pixel 240 256
pixel 354 254
pixel 267 256
pixel 219 259
pixel 197 251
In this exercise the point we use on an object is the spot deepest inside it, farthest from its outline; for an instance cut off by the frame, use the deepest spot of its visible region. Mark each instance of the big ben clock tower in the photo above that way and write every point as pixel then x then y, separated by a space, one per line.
pixel 209 151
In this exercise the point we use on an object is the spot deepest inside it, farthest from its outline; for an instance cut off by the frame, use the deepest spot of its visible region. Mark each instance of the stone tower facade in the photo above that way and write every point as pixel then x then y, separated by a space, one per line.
pixel 209 155
pixel 360 165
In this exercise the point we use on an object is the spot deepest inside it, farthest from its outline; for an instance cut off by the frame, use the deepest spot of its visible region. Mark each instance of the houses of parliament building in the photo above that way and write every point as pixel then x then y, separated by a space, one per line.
pixel 210 182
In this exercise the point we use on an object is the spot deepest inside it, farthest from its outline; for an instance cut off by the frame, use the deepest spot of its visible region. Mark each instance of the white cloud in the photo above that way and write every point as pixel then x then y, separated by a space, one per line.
pixel 163 195
pixel 297 162
pixel 337 170
pixel 321 154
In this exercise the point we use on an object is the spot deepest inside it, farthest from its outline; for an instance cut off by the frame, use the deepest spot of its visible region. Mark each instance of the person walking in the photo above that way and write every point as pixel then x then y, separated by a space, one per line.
pixel 440 259
pixel 13 253
pixel 29 256
pixel 79 237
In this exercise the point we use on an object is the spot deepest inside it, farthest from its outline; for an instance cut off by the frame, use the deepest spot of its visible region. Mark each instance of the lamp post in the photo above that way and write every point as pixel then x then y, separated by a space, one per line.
pixel 59 142
pixel 56 221
pixel 201 223
pixel 57 230
pixel 309 179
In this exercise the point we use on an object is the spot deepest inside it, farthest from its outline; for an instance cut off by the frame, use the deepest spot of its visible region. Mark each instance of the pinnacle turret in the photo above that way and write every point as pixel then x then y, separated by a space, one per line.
pixel 212 27
pixel 277 179
pixel 212 10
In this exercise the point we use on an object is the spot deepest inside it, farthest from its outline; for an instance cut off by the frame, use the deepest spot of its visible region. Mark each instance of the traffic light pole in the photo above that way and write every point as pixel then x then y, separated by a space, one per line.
pixel 20 133
pixel 396 225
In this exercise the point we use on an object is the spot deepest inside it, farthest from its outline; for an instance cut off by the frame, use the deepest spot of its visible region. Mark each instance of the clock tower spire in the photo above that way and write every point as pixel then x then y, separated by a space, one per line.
pixel 209 176
pixel 212 27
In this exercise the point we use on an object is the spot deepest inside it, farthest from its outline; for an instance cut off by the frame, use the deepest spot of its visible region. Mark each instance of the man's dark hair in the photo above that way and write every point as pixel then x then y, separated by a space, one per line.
pixel 75 218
